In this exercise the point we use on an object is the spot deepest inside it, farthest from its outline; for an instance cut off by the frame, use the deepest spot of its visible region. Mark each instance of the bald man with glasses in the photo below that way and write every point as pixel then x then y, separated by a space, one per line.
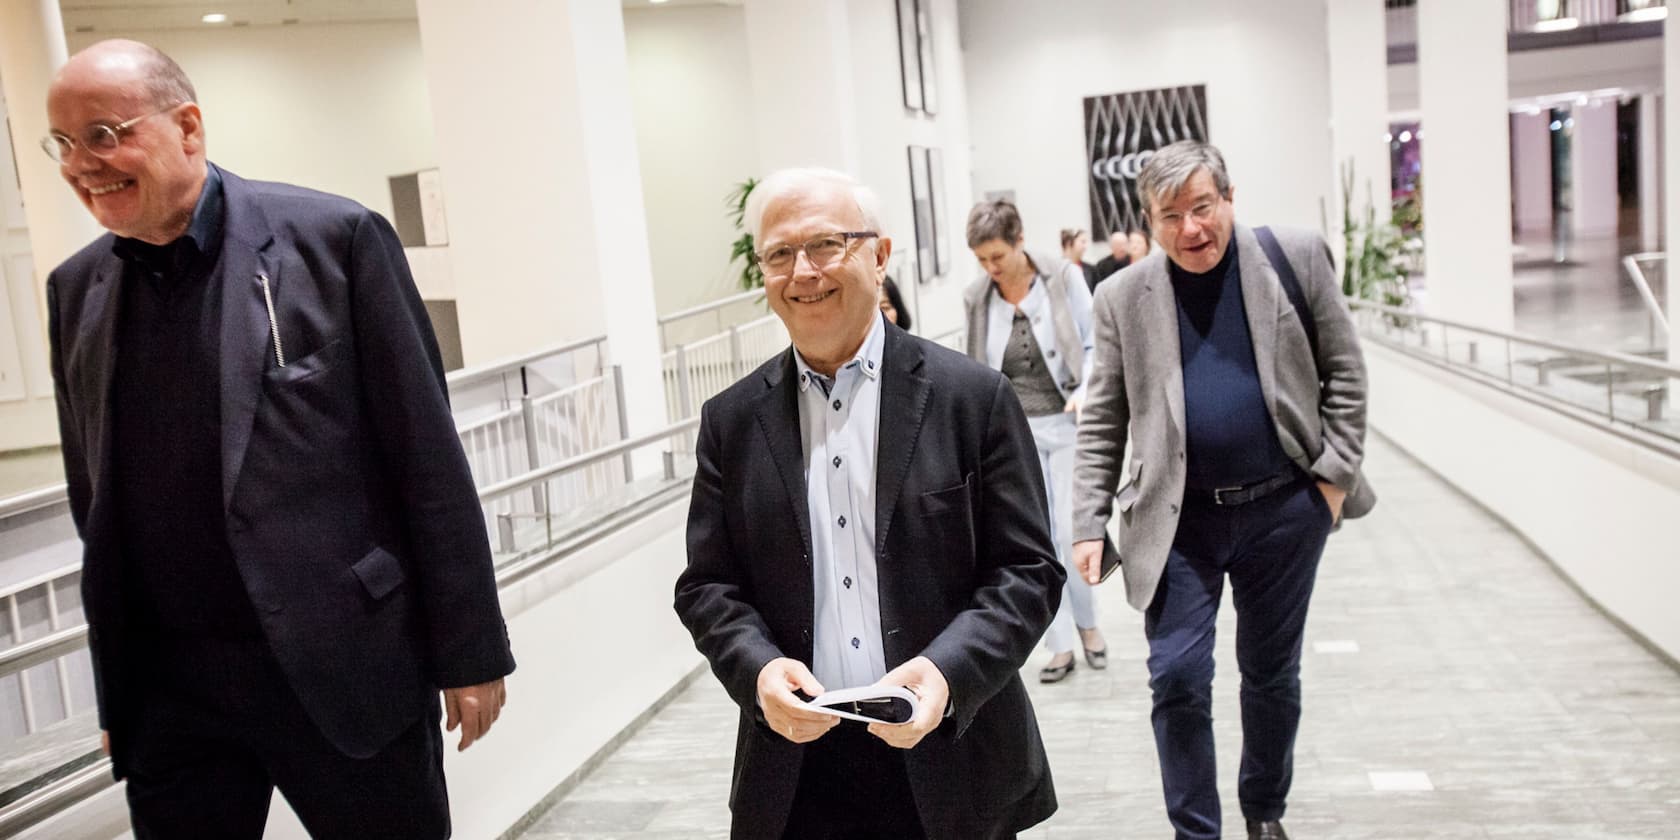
pixel 284 561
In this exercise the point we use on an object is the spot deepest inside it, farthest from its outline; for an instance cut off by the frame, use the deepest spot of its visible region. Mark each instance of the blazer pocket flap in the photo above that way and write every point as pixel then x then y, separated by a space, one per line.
pixel 948 500
pixel 380 572
pixel 304 367
pixel 1128 495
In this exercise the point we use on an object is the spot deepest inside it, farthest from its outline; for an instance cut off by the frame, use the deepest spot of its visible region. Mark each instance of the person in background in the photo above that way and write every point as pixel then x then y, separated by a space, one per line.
pixel 1119 256
pixel 1029 316
pixel 1074 243
pixel 892 305
pixel 1232 367
pixel 1137 246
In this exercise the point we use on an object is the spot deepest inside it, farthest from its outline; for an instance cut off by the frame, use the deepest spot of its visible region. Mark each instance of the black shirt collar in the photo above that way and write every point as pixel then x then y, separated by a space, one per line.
pixel 200 238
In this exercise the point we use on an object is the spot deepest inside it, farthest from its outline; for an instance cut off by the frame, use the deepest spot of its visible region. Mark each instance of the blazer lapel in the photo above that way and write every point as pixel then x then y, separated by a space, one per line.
pixel 1260 290
pixel 778 417
pixel 904 398
pixel 1160 323
pixel 246 336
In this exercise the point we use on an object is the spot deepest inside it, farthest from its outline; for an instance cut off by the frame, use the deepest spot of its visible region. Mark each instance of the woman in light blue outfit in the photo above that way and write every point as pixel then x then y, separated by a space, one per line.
pixel 1030 317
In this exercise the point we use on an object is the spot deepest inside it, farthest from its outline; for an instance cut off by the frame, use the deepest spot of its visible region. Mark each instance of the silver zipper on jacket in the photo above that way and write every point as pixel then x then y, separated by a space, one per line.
pixel 273 323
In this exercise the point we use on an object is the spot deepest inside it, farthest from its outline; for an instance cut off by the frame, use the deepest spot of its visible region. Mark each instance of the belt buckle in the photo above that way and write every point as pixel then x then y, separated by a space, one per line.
pixel 1219 495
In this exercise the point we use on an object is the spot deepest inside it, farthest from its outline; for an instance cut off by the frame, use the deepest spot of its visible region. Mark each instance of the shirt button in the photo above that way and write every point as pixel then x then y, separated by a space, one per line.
pixel 836 405
pixel 855 643
pixel 842 521
pixel 871 365
pixel 837 462
pixel 1052 354
pixel 848 582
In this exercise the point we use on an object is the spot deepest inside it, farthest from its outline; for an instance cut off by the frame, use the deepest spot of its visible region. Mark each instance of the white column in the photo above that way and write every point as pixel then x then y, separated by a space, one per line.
pixel 1531 176
pixel 41 222
pixel 1650 173
pixel 1671 191
pixel 802 83
pixel 1593 169
pixel 542 187
pixel 32 48
pixel 1359 107
pixel 1463 96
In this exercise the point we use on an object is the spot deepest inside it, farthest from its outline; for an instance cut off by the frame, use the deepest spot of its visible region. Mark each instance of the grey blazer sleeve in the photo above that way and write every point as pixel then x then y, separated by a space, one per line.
pixel 1341 367
pixel 1103 421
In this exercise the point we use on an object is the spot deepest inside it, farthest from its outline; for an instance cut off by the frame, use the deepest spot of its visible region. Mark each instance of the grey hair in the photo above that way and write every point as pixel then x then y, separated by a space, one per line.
pixel 1172 166
pixel 166 83
pixel 995 219
pixel 784 182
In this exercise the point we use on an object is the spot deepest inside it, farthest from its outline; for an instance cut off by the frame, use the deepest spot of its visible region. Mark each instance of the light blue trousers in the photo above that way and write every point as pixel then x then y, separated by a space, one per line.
pixel 1055 435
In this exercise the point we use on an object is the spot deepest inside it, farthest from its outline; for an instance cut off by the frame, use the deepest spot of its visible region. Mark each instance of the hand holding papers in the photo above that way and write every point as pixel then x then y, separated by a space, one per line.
pixel 889 704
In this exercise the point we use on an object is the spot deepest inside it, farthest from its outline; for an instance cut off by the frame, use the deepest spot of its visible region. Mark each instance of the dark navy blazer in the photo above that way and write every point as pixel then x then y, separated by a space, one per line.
pixel 348 502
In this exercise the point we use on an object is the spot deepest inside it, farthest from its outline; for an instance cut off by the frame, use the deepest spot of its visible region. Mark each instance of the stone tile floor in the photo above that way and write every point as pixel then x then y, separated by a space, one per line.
pixel 1532 715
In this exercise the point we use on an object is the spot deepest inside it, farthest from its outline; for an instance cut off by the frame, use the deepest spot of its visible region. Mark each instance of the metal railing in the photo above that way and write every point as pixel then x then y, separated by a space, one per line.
pixel 1629 395
pixel 696 371
pixel 1535 24
pixel 1633 266
pixel 710 318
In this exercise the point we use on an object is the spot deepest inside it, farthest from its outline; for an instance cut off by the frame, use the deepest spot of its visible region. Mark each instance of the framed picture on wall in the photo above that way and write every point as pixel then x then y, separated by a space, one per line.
pixel 909 54
pixel 921 204
pixel 942 222
pixel 924 49
pixel 1122 132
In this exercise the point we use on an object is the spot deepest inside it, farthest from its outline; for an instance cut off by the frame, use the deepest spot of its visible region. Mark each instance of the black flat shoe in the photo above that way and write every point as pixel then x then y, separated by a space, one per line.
pixel 1097 659
pixel 1055 674
pixel 1266 830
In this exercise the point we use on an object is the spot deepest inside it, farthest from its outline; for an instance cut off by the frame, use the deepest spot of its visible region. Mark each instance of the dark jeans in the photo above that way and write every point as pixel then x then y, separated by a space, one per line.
pixel 1270 548
pixel 220 729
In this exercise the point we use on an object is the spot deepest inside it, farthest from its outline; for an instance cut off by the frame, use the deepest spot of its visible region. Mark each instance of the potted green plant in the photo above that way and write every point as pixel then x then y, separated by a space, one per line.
pixel 741 250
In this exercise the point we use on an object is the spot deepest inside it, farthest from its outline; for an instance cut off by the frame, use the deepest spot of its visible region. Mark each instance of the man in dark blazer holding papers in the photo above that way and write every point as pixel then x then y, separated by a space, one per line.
pixel 867 509
pixel 284 559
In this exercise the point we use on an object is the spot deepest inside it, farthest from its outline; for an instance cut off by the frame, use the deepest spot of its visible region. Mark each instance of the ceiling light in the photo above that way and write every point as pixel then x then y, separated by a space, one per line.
pixel 214 17
pixel 656 2
pixel 1556 25
pixel 1642 15
pixel 1405 137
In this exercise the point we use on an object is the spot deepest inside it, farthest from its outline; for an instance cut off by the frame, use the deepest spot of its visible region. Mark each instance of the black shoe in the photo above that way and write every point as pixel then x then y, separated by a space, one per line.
pixel 1056 674
pixel 1097 659
pixel 1266 830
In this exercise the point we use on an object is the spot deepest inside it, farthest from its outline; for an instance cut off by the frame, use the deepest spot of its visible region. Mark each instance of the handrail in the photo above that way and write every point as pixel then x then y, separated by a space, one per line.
pixel 490 370
pixel 1630 264
pixel 87 781
pixel 1603 356
pixel 34 500
pixel 45 649
pixel 587 459
pixel 741 297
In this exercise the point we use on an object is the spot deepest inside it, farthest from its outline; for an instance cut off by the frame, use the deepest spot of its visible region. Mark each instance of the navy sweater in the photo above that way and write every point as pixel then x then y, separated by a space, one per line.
pixel 1228 431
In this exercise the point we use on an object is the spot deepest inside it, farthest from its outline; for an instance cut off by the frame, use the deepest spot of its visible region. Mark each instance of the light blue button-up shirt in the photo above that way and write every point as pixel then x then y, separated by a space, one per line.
pixel 839 422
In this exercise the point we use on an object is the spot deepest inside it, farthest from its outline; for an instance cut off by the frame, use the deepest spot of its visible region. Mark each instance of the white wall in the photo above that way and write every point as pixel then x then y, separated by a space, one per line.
pixel 1598 506
pixel 337 107
pixel 886 129
pixel 690 92
pixel 1265 66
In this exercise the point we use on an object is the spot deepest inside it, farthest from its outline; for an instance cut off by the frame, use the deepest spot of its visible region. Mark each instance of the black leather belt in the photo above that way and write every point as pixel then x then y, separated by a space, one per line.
pixel 1242 495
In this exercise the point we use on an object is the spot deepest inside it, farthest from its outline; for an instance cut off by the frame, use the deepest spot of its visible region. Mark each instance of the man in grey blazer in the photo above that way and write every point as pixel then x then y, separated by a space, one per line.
pixel 1247 432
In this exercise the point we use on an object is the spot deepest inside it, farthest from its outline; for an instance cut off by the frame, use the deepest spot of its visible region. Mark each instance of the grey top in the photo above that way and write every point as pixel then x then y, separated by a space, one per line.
pixel 1023 364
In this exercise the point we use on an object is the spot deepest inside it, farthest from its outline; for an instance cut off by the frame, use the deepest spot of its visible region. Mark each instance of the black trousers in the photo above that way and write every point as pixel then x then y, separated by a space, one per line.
pixel 853 786
pixel 220 729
